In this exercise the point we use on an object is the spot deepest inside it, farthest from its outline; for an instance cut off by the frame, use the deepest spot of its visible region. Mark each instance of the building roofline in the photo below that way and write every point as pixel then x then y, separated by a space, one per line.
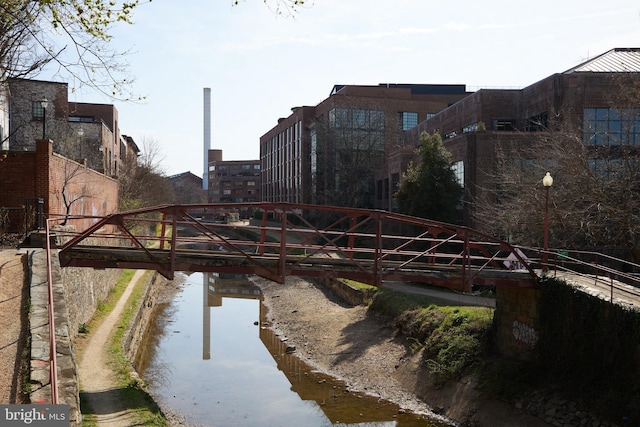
pixel 616 60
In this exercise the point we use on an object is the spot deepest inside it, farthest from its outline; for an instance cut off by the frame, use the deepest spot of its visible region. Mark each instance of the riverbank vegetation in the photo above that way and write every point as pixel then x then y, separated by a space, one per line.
pixel 588 353
pixel 454 338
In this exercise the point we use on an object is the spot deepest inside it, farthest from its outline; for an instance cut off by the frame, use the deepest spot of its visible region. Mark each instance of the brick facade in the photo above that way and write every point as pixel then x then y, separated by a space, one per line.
pixel 299 159
pixel 79 131
pixel 233 181
pixel 43 174
pixel 490 121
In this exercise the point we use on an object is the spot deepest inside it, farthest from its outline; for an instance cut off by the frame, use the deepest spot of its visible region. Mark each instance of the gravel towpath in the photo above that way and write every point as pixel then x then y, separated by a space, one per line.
pixel 97 380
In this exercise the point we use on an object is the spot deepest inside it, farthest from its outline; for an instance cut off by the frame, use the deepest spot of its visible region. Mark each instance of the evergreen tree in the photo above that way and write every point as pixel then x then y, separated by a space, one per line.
pixel 430 189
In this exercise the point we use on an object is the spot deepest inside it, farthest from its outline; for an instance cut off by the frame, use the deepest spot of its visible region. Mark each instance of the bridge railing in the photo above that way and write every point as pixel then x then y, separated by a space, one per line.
pixel 284 239
pixel 620 276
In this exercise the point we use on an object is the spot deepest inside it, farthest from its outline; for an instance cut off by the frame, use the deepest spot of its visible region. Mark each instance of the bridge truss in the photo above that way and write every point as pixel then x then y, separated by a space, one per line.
pixel 296 240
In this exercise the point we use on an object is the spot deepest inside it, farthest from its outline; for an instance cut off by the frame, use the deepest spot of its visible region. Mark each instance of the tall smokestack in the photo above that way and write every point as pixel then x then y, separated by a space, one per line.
pixel 206 146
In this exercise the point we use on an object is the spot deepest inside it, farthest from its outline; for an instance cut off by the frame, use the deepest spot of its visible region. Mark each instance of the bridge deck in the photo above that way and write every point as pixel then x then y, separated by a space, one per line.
pixel 269 264
pixel 302 240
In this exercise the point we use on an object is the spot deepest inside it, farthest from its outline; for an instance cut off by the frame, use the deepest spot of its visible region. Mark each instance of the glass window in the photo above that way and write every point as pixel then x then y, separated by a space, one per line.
pixel 611 127
pixel 407 120
pixel 458 170
pixel 36 110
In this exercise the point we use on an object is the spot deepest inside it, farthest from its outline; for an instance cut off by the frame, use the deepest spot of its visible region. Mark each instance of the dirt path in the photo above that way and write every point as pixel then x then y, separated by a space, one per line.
pixel 97 380
pixel 13 325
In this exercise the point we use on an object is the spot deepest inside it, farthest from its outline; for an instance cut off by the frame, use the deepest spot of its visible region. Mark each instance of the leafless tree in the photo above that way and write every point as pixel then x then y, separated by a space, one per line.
pixel 73 188
pixel 142 181
pixel 595 197
pixel 348 146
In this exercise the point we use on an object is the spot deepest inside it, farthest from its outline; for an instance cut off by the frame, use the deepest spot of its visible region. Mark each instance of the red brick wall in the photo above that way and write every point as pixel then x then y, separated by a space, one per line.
pixel 45 175
pixel 16 170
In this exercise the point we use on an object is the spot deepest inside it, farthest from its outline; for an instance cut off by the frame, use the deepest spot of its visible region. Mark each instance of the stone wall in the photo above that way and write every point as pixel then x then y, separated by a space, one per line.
pixel 68 389
pixel 139 325
pixel 84 288
pixel 342 289
pixel 517 321
pixel 76 294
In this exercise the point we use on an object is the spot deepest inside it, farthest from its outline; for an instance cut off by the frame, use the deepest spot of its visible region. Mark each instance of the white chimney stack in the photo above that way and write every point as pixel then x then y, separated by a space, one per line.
pixel 207 137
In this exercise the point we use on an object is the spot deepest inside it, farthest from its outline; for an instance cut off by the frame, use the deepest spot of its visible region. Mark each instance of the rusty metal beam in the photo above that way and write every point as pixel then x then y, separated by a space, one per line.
pixel 366 245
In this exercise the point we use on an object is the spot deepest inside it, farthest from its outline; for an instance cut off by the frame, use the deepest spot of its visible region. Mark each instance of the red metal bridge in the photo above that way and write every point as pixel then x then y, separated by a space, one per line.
pixel 370 246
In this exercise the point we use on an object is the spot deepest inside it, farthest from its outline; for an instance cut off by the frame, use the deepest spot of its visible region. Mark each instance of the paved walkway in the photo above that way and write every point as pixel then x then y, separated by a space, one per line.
pixel 602 287
pixel 461 299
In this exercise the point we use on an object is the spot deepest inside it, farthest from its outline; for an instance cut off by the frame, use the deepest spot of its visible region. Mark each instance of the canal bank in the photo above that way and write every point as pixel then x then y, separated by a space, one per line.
pixel 344 341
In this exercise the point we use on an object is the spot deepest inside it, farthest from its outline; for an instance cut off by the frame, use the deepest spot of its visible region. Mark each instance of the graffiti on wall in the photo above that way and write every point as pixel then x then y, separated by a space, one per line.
pixel 524 333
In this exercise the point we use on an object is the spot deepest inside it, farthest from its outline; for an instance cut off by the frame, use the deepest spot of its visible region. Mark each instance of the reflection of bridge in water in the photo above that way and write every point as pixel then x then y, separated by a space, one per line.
pixel 298 240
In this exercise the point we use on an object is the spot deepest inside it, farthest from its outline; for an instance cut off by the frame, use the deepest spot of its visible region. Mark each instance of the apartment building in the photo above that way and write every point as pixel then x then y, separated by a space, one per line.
pixel 80 131
pixel 233 181
pixel 328 154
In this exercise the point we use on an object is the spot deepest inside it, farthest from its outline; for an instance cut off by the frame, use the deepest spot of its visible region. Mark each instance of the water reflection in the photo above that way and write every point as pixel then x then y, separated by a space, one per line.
pixel 237 380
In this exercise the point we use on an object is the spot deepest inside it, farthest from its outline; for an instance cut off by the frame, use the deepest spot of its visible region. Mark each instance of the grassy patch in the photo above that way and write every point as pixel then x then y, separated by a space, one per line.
pixel 130 388
pixel 453 337
pixel 360 285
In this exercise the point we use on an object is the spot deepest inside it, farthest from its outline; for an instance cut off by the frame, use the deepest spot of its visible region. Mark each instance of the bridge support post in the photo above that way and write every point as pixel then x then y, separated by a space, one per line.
pixel 517 321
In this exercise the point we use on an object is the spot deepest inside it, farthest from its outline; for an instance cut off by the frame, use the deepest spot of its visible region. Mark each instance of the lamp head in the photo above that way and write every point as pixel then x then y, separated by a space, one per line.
pixel 44 102
pixel 547 181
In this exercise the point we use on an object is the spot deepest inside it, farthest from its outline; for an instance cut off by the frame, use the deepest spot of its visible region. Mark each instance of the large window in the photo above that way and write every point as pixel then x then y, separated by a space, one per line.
pixel 356 119
pixel 407 120
pixel 504 124
pixel 608 126
pixel 458 171
pixel 354 129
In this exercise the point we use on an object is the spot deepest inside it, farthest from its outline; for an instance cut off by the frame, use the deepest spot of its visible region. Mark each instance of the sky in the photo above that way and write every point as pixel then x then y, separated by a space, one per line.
pixel 259 64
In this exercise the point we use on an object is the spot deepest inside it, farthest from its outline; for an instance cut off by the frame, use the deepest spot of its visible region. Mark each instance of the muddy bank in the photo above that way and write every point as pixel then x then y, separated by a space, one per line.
pixel 349 343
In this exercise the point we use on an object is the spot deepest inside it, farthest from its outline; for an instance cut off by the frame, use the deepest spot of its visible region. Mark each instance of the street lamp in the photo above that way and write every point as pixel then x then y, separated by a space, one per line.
pixel 547 182
pixel 80 134
pixel 44 104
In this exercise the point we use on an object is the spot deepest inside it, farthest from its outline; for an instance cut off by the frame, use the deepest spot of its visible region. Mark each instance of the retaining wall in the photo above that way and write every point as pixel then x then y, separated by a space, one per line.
pixel 77 293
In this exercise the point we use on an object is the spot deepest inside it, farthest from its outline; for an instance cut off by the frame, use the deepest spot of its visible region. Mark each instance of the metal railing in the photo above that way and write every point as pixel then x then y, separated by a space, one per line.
pixel 599 269
pixel 294 239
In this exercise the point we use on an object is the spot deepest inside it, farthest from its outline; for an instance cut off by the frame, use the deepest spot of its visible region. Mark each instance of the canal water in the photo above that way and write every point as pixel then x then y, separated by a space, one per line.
pixel 209 359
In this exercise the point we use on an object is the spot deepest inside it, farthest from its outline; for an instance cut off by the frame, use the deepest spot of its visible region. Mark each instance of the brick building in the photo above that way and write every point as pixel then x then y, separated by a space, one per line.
pixel 187 188
pixel 233 181
pixel 78 130
pixel 63 185
pixel 329 153
pixel 587 98
pixel 62 156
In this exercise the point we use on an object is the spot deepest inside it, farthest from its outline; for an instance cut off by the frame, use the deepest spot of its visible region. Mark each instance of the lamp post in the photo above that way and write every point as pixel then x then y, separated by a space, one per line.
pixel 44 104
pixel 547 182
pixel 80 134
